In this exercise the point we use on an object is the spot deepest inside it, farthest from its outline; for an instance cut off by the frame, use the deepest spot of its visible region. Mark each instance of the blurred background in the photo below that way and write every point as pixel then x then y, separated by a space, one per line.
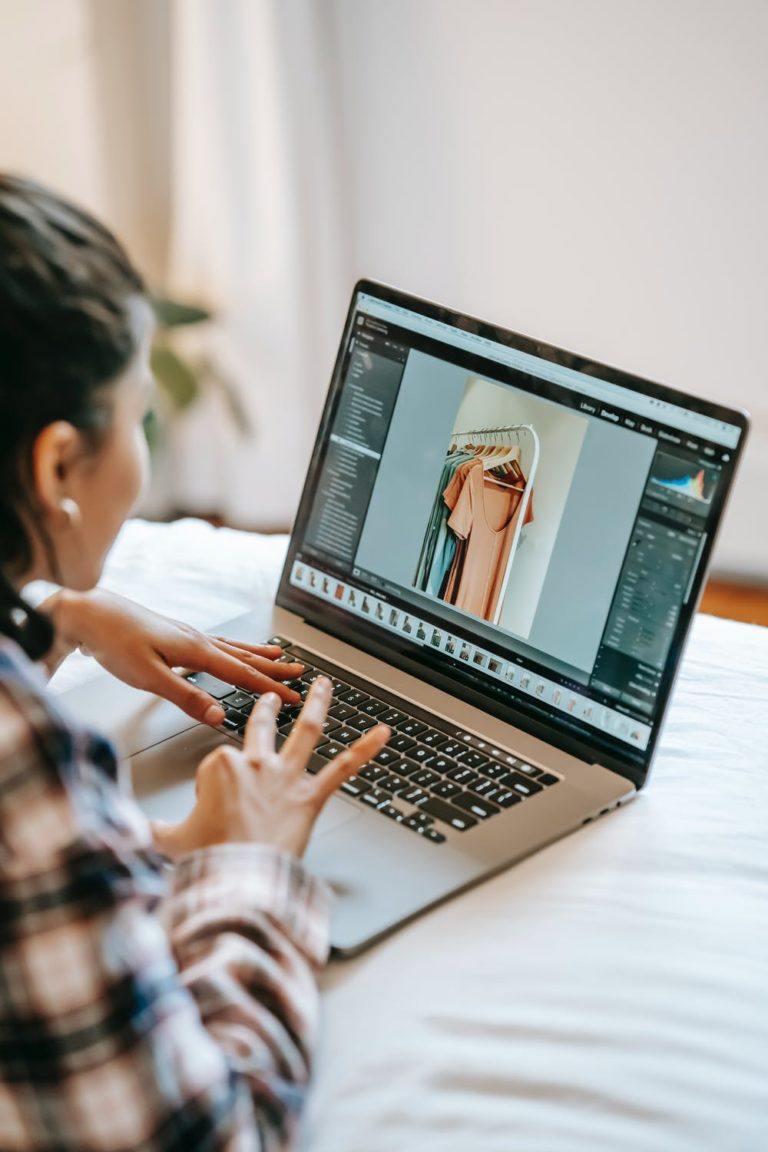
pixel 590 172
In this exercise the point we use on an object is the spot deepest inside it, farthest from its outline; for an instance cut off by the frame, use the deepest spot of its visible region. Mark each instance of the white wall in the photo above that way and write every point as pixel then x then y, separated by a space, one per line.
pixel 48 103
pixel 594 173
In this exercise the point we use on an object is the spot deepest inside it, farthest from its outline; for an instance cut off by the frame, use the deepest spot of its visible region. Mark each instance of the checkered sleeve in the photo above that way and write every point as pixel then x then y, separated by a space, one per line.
pixel 140 1007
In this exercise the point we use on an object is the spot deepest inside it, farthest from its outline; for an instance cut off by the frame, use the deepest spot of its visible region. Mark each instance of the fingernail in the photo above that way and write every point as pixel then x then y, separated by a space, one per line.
pixel 271 698
pixel 213 714
pixel 324 683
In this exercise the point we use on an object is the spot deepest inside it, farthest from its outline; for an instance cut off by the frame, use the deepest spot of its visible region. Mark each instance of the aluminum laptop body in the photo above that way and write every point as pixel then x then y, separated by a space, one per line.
pixel 502 539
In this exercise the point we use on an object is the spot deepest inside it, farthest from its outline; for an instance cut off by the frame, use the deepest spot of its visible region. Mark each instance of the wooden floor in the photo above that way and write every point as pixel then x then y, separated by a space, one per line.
pixel 747 602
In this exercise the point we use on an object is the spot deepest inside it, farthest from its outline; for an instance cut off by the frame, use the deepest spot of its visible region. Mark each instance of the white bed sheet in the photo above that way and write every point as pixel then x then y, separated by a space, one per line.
pixel 609 993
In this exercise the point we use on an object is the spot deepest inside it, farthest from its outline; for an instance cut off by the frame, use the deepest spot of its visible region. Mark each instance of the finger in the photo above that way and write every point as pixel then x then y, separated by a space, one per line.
pixel 350 760
pixel 234 671
pixel 260 731
pixel 309 726
pixel 192 700
pixel 279 670
pixel 270 651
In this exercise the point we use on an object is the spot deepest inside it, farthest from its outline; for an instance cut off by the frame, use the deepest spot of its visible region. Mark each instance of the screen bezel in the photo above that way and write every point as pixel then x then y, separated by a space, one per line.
pixel 399 651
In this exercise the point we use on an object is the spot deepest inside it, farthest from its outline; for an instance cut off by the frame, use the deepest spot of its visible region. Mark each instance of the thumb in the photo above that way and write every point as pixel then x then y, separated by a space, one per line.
pixel 171 840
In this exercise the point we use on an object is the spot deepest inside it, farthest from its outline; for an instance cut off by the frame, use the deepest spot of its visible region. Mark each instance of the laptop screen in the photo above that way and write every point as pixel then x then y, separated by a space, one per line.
pixel 532 525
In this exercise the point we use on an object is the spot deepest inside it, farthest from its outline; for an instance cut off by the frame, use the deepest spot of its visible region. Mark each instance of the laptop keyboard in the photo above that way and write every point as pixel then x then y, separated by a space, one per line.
pixel 430 777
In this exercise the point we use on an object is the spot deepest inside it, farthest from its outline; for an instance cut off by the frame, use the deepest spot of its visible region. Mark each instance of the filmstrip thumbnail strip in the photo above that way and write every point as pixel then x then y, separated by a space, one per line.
pixel 362 603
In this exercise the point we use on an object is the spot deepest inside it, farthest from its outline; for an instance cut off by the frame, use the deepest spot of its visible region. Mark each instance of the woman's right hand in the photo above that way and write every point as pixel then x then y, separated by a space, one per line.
pixel 256 794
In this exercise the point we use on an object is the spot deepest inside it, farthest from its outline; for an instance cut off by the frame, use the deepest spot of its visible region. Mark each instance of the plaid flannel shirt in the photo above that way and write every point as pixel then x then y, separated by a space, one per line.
pixel 141 1007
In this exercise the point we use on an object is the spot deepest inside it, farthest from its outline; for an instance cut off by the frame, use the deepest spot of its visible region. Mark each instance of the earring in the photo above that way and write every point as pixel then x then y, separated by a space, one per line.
pixel 71 510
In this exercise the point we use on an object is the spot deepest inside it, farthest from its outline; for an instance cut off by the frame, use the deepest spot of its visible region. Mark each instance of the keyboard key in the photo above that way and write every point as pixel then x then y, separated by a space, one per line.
pixel 354 697
pixel 341 712
pixel 212 685
pixel 401 743
pixel 445 789
pixel 455 817
pixel 393 783
pixel 374 708
pixel 399 766
pixel 277 642
pixel 506 799
pixel 440 763
pixel 375 797
pixel 485 787
pixel 476 805
pixel 234 720
pixel 414 795
pixel 392 717
pixel 472 759
pixel 527 768
pixel 387 756
pixel 331 749
pixel 355 786
pixel 433 835
pixel 418 820
pixel 316 763
pixel 392 811
pixel 420 754
pixel 346 735
pixel 362 722
pixel 464 776
pixel 330 725
pixel 521 784
pixel 411 727
pixel 238 700
pixel 493 771
pixel 373 772
pixel 491 790
pixel 425 778
pixel 433 739
pixel 452 748
pixel 548 778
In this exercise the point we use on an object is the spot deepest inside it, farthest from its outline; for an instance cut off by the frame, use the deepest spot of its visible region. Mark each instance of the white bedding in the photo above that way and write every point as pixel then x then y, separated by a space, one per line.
pixel 609 993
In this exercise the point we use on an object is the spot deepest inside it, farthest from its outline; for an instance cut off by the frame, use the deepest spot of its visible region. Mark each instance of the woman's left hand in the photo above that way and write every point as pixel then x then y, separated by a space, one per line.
pixel 143 648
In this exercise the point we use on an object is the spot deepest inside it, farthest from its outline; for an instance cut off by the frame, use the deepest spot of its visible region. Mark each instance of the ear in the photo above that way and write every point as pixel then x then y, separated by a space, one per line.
pixel 55 453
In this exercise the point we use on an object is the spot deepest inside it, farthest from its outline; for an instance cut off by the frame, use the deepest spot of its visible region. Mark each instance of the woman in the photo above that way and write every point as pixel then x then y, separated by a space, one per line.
pixel 156 984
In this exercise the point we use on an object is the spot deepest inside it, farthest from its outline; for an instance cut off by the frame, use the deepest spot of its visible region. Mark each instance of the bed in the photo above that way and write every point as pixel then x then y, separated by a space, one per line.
pixel 609 993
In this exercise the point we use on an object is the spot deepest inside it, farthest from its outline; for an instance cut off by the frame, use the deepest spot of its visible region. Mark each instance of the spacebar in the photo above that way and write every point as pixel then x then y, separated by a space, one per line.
pixel 449 815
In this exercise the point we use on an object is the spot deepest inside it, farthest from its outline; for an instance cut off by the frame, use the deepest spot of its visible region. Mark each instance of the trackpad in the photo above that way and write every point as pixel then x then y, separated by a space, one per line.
pixel 334 814
pixel 163 776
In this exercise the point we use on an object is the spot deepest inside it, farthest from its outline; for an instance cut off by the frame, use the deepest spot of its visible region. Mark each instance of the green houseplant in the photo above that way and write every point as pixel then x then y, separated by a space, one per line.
pixel 183 376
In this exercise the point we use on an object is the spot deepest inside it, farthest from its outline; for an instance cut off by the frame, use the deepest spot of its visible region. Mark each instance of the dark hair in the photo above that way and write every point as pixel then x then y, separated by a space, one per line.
pixel 65 333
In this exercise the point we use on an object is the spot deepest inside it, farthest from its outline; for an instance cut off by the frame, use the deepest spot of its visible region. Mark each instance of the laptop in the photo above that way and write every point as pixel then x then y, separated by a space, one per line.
pixel 498 552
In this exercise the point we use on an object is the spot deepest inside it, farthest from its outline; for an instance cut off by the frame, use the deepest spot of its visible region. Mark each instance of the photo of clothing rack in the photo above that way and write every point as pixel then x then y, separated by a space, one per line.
pixel 484 498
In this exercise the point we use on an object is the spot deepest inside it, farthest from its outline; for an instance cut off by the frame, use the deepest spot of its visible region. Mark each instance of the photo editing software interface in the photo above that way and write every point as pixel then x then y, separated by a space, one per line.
pixel 538 529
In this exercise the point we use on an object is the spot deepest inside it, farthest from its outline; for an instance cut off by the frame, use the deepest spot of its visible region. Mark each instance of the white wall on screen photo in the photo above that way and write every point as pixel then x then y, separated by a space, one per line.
pixel 561 436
